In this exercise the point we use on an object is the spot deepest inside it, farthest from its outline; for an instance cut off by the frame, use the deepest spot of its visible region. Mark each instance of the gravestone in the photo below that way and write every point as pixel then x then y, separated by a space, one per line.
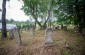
pixel 75 28
pixel 65 28
pixel 27 28
pixel 53 28
pixel 11 34
pixel 48 37
pixel 31 31
pixel 17 36
pixel 57 27
pixel 83 31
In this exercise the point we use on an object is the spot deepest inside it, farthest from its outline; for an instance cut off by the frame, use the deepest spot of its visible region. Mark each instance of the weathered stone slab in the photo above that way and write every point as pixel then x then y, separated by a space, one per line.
pixel 48 37
pixel 11 34
pixel 75 29
pixel 56 27
pixel 17 36
pixel 31 31
pixel 53 28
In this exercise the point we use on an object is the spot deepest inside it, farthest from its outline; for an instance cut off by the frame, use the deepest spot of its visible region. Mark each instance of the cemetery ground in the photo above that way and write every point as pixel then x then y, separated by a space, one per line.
pixel 64 43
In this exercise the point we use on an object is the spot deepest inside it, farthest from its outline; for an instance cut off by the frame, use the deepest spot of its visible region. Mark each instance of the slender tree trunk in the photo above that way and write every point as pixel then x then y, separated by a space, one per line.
pixel 50 23
pixel 50 19
pixel 33 10
pixel 4 33
pixel 47 17
pixel 35 24
pixel 84 15
pixel 61 26
pixel 37 21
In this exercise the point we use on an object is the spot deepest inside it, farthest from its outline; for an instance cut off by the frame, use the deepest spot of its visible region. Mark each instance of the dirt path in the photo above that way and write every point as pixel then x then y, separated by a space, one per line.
pixel 65 42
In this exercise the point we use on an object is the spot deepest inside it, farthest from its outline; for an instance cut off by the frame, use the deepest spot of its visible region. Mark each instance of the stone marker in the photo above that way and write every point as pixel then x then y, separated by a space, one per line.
pixel 57 27
pixel 17 36
pixel 26 28
pixel 31 31
pixel 53 28
pixel 11 34
pixel 75 29
pixel 48 37
pixel 65 28
pixel 83 31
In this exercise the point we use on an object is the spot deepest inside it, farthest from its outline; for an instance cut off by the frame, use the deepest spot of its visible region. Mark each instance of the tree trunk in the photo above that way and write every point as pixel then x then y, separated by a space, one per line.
pixel 4 33
pixel 35 25
pixel 47 17
pixel 50 23
pixel 62 26
pixel 34 10
pixel 84 15
pixel 37 21
pixel 50 20
pixel 79 19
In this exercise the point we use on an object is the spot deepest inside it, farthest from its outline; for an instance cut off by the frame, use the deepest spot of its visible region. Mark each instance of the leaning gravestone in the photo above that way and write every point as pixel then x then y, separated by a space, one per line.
pixel 48 37
pixel 17 36
pixel 11 34
pixel 83 31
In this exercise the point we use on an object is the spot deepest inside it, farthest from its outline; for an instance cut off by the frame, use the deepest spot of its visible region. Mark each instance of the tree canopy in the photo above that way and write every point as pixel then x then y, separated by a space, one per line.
pixel 66 11
pixel 75 9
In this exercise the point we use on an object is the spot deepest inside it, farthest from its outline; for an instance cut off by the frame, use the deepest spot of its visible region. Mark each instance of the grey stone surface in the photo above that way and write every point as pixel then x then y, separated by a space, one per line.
pixel 53 28
pixel 75 29
pixel 31 31
pixel 17 36
pixel 48 36
pixel 11 35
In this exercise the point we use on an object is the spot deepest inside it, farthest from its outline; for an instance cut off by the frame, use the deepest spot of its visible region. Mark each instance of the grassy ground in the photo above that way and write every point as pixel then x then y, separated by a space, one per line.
pixel 65 43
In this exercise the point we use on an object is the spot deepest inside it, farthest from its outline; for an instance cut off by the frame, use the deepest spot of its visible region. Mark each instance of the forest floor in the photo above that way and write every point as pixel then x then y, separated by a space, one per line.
pixel 65 43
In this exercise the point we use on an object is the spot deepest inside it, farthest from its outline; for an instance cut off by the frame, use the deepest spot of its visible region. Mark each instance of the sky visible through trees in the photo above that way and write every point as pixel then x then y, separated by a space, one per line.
pixel 13 11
